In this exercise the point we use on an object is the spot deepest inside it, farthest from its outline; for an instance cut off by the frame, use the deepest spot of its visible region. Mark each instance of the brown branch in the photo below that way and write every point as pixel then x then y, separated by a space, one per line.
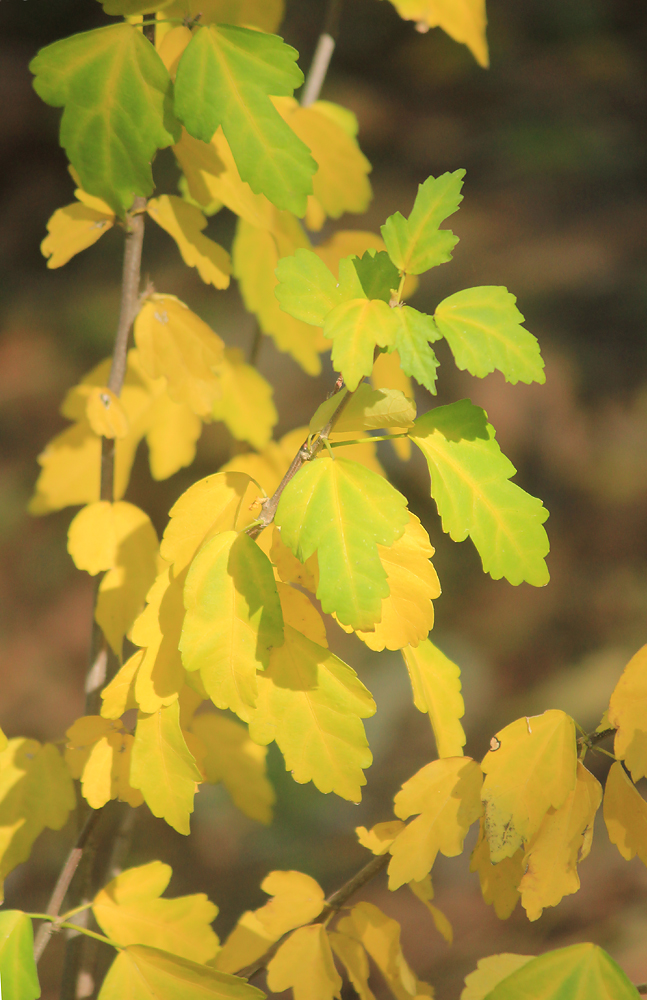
pixel 590 739
pixel 642 988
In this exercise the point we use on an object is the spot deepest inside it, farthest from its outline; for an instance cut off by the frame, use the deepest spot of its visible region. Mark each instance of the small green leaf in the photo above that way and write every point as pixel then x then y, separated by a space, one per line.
pixel 483 329
pixel 370 409
pixel 356 327
pixel 417 359
pixel 417 244
pixel 326 411
pixel 18 976
pixel 225 77
pixel 470 484
pixel 306 288
pixel 116 95
pixel 343 511
pixel 377 274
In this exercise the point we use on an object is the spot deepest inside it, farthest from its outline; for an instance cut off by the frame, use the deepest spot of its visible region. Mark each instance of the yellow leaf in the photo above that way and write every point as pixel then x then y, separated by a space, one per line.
pixel 531 768
pixel 81 736
pixel 407 613
pixel 175 343
pixel 289 568
pixel 163 768
pixel 625 814
pixel 463 20
pixel 185 222
pixel 160 676
pixel 269 467
pixel 305 963
pixel 99 752
pixel 300 613
pixel 489 973
pixel 73 229
pixel 312 704
pixel 436 685
pixel 353 957
pixel 172 430
pixel 424 891
pixel 246 943
pixel 106 415
pixel 264 14
pixel 233 619
pixel 245 404
pixel 239 763
pixel 171 46
pixel 380 837
pixel 36 791
pixel 446 795
pixel 563 839
pixel 498 882
pixel 628 713
pixel 387 374
pixel 143 973
pixel 130 911
pixel 119 695
pixel 380 936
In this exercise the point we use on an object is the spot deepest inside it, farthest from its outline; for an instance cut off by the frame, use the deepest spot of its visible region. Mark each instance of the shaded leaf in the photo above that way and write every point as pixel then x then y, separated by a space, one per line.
pixel 305 963
pixel 628 714
pixel 377 274
pixel 388 374
pixel 18 973
pixel 141 973
pixel 160 674
pixel 463 20
pixel 245 403
pixel 370 409
pixel 119 695
pixel 98 752
pixel 417 244
pixel 499 882
pixel 185 222
pixel 437 690
pixel 264 14
pixel 380 936
pixel 424 891
pixel 299 612
pixel 306 288
pixel 625 814
pixel 105 413
pixel 353 957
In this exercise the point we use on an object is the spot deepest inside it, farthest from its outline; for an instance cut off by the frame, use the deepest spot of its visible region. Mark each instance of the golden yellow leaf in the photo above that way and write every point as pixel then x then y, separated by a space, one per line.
pixel 463 20
pixel 628 713
pixel 289 568
pixel 436 685
pixel 380 936
pixel 498 882
pixel 160 676
pixel 300 613
pixel 424 891
pixel 171 45
pixel 129 910
pixel 163 768
pixel 353 957
pixel 380 837
pixel 490 972
pixel 99 753
pixel 73 229
pixel 304 962
pixel 246 943
pixel 119 695
pixel 185 222
pixel 270 466
pixel 82 736
pixel 239 763
pixel 387 374
pixel 175 343
pixel 531 769
pixel 245 404
pixel 625 814
pixel 563 839
pixel 445 793
pixel 106 415
pixel 36 791
pixel 172 430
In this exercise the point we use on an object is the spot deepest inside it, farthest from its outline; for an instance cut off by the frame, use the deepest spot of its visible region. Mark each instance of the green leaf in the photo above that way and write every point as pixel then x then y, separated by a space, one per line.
pixel 417 359
pixel 326 411
pixel 417 244
pixel 343 511
pixel 579 972
pixel 378 274
pixel 233 619
pixel 141 973
pixel 307 288
pixel 116 95
pixel 370 409
pixel 225 77
pixel 356 327
pixel 483 328
pixel 470 484
pixel 18 976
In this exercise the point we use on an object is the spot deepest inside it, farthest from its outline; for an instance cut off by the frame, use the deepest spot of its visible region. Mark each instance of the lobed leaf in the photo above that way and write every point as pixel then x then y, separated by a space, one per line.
pixel 625 814
pixel 463 20
pixel 499 882
pixel 245 403
pixel 377 274
pixel 185 222
pixel 491 971
pixel 18 973
pixel 354 959
pixel 627 713
pixel 424 891
pixel 437 690
pixel 417 244
pixel 142 973
pixel 370 409
pixel 72 229
pixel 99 752
pixel 356 326
pixel 415 332
pixel 304 962
pixel 388 374
pixel 306 288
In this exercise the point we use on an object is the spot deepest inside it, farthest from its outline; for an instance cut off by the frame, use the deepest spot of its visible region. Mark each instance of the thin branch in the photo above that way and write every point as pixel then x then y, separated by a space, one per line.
pixel 590 739
pixel 323 54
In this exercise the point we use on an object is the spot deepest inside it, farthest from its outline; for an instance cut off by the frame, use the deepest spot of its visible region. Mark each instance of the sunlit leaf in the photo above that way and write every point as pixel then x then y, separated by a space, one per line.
pixel 185 223
pixel 98 752
pixel 380 936
pixel 160 674
pixel 356 327
pixel 72 229
pixel 489 972
pixel 470 484
pixel 437 690
pixel 305 963
pixel 625 814
pixel 380 837
pixel 445 793
pixel 106 414
pixel 119 695
pixel 464 20
pixel 142 973
pixel 116 93
pixel 628 714
pixel 245 402
pixel 531 770
pixel 415 333
pixel 306 288
pixel 129 910
pixel 18 973
pixel 370 409
pixel 499 883
pixel 388 374
pixel 417 244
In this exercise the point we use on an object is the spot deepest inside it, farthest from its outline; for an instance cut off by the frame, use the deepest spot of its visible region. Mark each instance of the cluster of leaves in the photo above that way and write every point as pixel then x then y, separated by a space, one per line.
pixel 220 613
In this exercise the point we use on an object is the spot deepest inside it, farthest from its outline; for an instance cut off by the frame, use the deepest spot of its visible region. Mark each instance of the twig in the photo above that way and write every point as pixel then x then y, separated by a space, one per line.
pixel 323 54
pixel 590 739
pixel 332 905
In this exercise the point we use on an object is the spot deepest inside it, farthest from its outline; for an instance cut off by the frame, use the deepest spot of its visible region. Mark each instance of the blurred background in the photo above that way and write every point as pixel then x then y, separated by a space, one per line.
pixel 555 208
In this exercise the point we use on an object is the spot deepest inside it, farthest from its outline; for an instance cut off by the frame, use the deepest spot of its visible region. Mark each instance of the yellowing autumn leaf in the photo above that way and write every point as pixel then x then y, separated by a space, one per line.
pixel 437 690
pixel 356 327
pixel 445 793
pixel 312 704
pixel 625 814
pixel 387 374
pixel 245 402
pixel 305 963
pixel 36 791
pixel 185 222
pixel 628 714
pixel 160 675
pixel 164 768
pixel 531 770
pixel 498 882
pixel 491 971
pixel 424 891
pixel 289 568
pixel 119 695
pixel 233 619
pixel 143 973
pixel 380 936
pixel 129 910
pixel 380 837
pixel 355 961
pixel 98 752
pixel 72 229
pixel 105 413
pixel 264 14
pixel 233 758
pixel 563 839
pixel 300 613
pixel 463 20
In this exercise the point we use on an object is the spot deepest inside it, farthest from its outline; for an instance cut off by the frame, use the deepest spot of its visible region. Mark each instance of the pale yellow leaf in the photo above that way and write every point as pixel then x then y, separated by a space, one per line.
pixel 380 837
pixel 73 229
pixel 387 374
pixel 185 222
pixel 160 676
pixel 446 795
pixel 625 814
pixel 172 430
pixel 289 569
pixel 119 695
pixel 99 752
pixel 424 891
pixel 296 899
pixel 81 737
pixel 463 20
pixel 353 957
pixel 105 413
pixel 245 404
pixel 246 943
pixel 304 962
pixel 628 714
pixel 300 613
pixel 436 685
pixel 490 972
pixel 499 883
pixel 380 936
pixel 171 46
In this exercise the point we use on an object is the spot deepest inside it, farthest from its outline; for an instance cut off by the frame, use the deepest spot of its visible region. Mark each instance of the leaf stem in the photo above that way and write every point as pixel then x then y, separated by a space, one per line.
pixel 323 54
pixel 371 437
pixel 56 924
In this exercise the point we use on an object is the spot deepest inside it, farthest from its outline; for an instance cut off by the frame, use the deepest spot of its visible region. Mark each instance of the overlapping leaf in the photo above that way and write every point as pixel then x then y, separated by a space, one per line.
pixel 116 94
pixel 245 403
pixel 264 14
pixel 354 959
pixel 417 244
pixel 625 814
pixel 342 511
pixel 388 374
pixel 437 690
pixel 499 882
pixel 470 484
pixel 414 335
pixel 72 229
pixel 464 20
pixel 18 973
pixel 370 409
pixel 424 891
pixel 628 713
pixel 99 752
pixel 356 327
pixel 143 973
pixel 489 972
pixel 225 77
pixel 185 222
pixel 304 962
